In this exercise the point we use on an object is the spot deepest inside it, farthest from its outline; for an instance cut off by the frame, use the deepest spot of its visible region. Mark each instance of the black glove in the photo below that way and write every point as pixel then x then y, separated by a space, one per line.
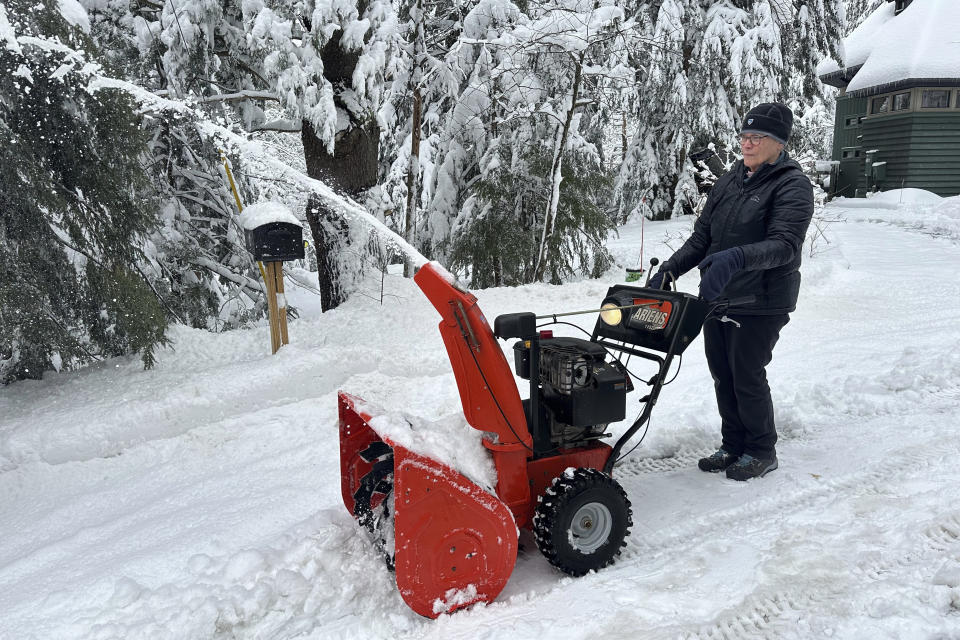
pixel 717 269
pixel 656 282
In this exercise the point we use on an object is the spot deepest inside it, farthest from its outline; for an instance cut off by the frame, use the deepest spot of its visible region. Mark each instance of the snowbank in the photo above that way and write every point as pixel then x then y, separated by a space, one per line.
pixel 893 199
pixel 913 209
pixel 905 196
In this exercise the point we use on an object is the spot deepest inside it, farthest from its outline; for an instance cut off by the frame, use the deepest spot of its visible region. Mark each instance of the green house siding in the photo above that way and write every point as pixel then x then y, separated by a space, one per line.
pixel 847 136
pixel 935 153
pixel 891 136
pixel 922 150
pixel 847 108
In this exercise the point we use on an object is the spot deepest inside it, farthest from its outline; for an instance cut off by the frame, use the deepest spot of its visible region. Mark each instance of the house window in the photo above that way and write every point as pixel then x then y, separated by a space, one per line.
pixel 901 101
pixel 880 104
pixel 935 99
pixel 849 153
pixel 852 122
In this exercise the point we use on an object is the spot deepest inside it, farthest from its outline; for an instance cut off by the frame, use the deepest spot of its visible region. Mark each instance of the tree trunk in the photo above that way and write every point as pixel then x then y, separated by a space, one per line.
pixel 413 170
pixel 413 179
pixel 550 217
pixel 623 139
pixel 350 170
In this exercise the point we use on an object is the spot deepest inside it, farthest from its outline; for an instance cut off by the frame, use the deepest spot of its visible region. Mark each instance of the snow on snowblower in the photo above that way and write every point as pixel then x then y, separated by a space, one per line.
pixel 450 542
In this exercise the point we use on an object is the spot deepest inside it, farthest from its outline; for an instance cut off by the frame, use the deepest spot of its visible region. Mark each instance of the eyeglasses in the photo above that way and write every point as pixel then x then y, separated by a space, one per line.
pixel 754 140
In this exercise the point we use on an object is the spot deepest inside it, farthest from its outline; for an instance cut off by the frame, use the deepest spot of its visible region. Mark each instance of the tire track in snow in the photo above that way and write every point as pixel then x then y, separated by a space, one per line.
pixel 768 617
pixel 938 399
pixel 683 459
pixel 764 617
pixel 940 537
pixel 944 534
pixel 686 458
pixel 718 522
pixel 772 615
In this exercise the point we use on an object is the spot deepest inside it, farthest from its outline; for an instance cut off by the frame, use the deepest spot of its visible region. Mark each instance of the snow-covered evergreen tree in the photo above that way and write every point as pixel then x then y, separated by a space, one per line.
pixel 426 80
pixel 321 62
pixel 533 99
pixel 206 274
pixel 461 116
pixel 76 205
pixel 859 10
pixel 709 61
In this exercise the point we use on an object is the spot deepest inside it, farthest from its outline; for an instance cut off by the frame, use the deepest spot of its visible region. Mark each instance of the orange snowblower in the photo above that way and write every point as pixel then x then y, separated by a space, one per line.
pixel 452 543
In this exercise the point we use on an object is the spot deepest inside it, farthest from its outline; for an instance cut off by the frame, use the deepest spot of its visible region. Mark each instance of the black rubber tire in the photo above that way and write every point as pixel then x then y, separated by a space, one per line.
pixel 604 518
pixel 377 520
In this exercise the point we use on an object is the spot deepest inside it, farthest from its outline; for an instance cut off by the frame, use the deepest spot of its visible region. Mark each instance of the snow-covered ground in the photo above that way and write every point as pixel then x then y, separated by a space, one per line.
pixel 201 499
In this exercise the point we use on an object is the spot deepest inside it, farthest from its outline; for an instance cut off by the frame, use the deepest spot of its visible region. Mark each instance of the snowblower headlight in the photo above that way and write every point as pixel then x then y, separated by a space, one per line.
pixel 612 311
pixel 611 314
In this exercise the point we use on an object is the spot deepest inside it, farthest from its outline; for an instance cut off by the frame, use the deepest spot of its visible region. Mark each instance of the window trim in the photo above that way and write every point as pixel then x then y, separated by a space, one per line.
pixel 916 100
pixel 886 102
pixel 900 94
pixel 857 153
pixel 858 122
pixel 951 99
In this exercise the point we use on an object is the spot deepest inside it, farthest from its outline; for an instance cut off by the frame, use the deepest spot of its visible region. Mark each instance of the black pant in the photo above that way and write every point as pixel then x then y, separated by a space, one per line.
pixel 738 357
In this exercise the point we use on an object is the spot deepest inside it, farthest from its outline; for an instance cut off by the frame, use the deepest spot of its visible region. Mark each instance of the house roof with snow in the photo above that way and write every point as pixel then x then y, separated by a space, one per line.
pixel 920 45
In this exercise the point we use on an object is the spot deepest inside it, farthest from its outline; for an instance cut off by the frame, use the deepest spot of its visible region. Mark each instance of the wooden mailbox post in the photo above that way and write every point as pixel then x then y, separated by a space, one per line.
pixel 273 235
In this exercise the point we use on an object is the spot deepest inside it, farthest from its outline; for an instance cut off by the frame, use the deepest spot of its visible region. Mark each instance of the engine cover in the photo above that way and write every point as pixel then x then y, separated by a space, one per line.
pixel 579 388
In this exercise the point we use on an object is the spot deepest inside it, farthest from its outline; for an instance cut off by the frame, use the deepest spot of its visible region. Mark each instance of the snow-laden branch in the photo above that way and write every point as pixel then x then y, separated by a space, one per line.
pixel 281 126
pixel 240 95
pixel 236 278
pixel 350 210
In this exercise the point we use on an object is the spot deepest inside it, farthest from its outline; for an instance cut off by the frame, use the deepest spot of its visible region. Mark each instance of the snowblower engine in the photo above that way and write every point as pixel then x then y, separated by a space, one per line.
pixel 581 393
pixel 581 386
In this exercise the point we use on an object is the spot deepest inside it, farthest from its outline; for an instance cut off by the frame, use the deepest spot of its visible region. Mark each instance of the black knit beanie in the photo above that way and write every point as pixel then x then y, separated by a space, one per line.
pixel 771 118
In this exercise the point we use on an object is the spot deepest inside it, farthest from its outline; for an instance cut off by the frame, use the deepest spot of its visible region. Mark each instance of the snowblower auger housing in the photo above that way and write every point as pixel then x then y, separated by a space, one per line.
pixel 454 543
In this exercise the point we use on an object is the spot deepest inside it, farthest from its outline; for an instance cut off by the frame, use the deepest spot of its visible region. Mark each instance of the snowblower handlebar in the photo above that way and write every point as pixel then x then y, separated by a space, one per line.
pixel 728 303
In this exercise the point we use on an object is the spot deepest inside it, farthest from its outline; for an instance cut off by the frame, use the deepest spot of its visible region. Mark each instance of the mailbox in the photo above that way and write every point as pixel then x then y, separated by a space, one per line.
pixel 272 233
pixel 275 242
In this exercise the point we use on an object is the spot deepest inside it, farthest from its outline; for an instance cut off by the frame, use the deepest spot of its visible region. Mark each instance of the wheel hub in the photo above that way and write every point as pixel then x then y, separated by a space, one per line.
pixel 590 527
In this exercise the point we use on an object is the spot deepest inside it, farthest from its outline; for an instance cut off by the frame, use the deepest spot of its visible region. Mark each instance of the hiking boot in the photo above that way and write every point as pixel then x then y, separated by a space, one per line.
pixel 718 461
pixel 749 467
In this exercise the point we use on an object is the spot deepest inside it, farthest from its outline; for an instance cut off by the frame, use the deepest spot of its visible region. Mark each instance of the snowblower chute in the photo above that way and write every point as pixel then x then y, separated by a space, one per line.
pixel 451 542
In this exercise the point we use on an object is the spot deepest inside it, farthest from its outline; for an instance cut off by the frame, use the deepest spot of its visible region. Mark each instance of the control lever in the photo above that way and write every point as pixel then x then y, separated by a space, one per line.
pixel 668 279
pixel 653 262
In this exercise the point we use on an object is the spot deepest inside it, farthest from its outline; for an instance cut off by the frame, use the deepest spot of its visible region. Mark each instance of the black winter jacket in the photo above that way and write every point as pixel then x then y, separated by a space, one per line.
pixel 766 216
